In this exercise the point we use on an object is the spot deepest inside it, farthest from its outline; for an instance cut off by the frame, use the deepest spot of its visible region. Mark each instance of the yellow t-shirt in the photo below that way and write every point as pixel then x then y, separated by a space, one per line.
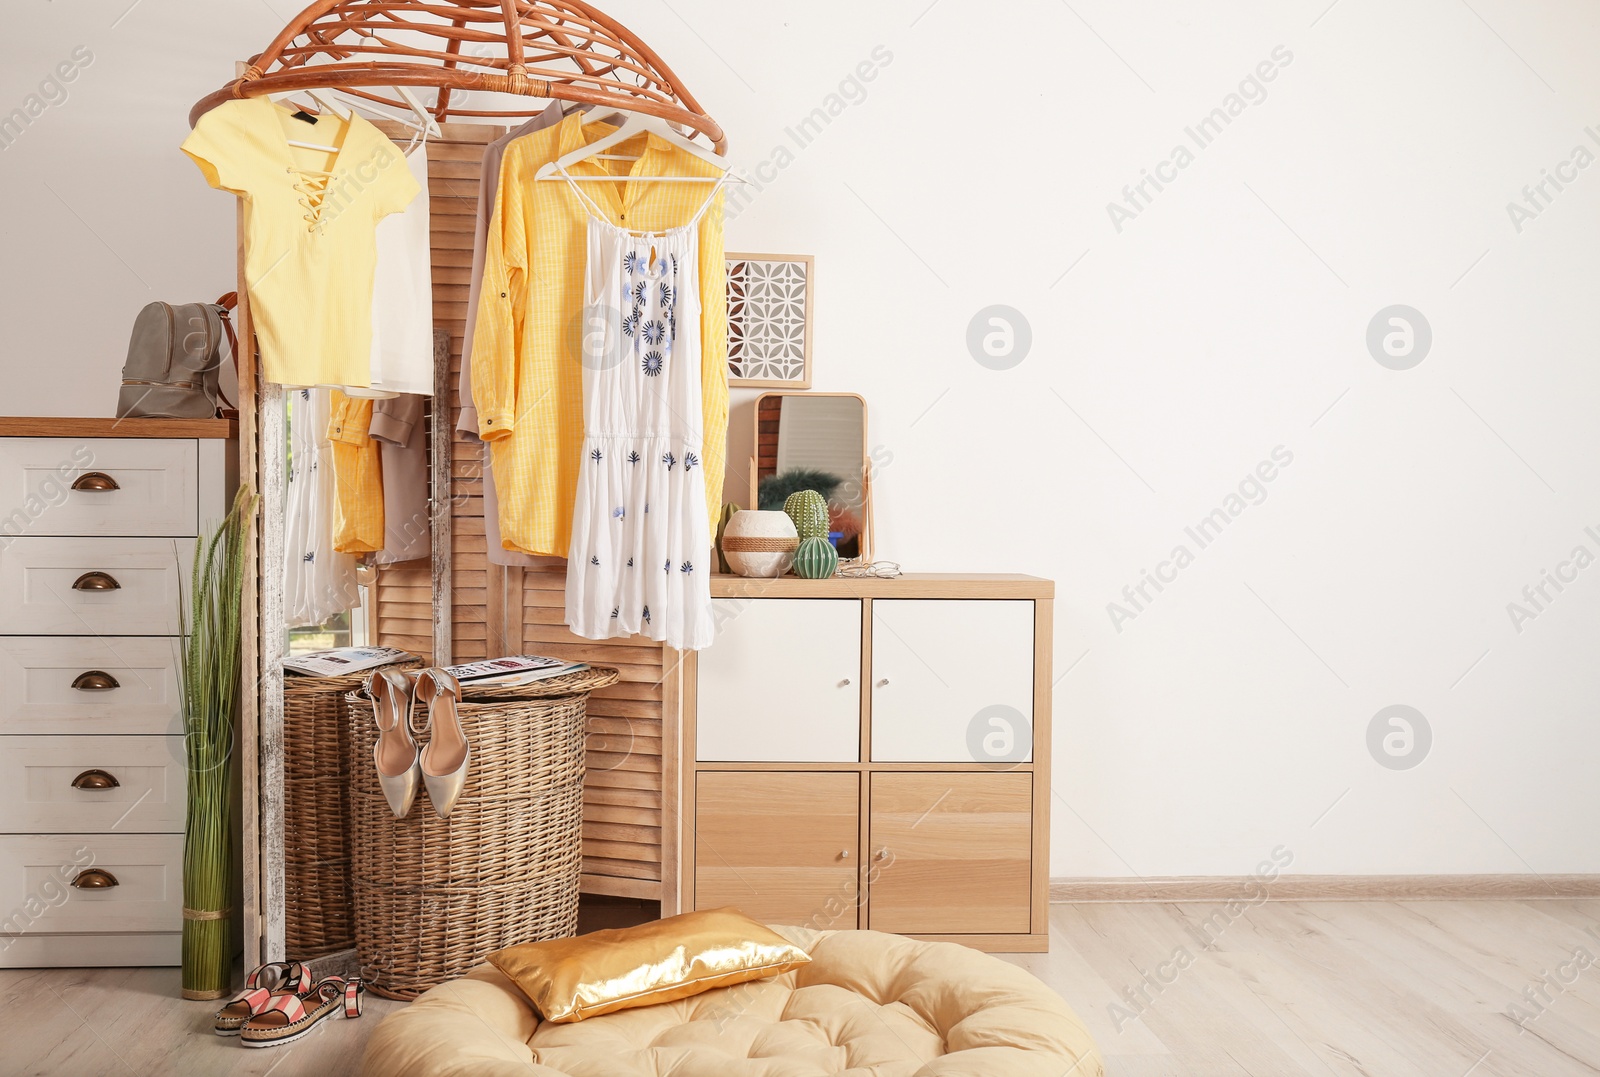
pixel 309 230
pixel 527 370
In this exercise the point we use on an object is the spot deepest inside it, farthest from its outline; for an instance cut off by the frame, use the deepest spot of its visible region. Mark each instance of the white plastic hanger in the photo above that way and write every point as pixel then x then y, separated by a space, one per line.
pixel 421 121
pixel 296 142
pixel 637 124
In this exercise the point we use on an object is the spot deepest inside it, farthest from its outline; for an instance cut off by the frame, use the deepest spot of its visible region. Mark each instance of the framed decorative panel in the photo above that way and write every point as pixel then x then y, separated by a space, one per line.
pixel 770 299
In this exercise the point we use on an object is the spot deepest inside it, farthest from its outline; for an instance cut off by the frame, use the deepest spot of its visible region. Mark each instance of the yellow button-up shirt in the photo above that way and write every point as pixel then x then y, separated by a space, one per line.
pixel 527 369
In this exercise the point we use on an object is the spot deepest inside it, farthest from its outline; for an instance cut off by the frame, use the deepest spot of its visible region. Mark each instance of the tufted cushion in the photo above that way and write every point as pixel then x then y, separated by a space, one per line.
pixel 868 1005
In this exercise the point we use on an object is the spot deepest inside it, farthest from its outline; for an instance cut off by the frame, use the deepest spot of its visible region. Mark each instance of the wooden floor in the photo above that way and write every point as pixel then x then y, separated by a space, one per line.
pixel 1381 989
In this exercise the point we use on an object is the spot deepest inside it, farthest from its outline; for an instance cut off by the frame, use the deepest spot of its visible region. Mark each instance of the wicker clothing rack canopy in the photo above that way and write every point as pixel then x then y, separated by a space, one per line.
pixel 544 49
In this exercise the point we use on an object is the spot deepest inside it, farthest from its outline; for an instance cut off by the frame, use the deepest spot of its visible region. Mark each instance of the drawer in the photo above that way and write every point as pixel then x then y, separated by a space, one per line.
pixel 48 586
pixel 89 684
pixel 98 486
pixel 782 683
pixel 37 872
pixel 89 784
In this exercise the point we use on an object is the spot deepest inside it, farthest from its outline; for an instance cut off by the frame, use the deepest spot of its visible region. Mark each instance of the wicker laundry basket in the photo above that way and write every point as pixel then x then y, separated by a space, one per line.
pixel 434 897
pixel 316 814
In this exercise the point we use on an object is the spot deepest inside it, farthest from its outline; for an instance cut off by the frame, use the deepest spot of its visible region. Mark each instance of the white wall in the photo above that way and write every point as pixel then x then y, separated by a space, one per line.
pixel 1230 715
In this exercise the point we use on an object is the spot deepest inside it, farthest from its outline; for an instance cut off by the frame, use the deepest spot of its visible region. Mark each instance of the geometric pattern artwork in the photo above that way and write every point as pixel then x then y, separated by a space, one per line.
pixel 769 320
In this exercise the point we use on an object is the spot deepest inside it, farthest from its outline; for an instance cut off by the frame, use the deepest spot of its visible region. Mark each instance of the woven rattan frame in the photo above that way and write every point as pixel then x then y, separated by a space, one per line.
pixel 563 49
pixel 316 813
pixel 434 897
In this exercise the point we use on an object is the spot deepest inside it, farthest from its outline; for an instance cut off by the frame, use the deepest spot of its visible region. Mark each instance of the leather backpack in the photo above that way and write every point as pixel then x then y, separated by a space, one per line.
pixel 175 360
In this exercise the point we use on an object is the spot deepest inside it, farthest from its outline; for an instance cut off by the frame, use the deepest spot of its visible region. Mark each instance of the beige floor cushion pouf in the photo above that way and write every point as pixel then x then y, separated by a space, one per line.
pixel 868 1005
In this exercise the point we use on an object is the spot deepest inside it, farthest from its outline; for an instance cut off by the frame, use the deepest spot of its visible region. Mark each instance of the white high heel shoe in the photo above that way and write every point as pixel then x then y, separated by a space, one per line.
pixel 447 753
pixel 395 754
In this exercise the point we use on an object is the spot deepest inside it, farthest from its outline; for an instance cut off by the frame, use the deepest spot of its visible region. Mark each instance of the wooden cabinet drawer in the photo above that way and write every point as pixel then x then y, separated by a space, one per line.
pixel 88 684
pixel 48 585
pixel 782 682
pixel 37 873
pixel 88 784
pixel 781 847
pixel 125 486
pixel 952 681
pixel 951 853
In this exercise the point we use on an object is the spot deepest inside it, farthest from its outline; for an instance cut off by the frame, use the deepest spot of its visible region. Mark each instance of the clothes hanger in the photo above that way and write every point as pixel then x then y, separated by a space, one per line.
pixel 310 112
pixel 639 124
pixel 421 121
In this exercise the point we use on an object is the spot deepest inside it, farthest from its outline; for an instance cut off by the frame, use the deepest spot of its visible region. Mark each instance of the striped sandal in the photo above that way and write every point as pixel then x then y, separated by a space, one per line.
pixel 261 987
pixel 286 1018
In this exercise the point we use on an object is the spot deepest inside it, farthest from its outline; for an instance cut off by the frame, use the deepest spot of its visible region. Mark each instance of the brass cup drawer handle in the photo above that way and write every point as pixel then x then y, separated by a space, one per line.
pixel 95 879
pixel 95 779
pixel 95 680
pixel 96 581
pixel 95 482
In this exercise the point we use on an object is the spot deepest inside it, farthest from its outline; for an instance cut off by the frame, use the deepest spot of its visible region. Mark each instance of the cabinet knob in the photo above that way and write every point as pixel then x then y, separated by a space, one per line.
pixel 95 482
pixel 884 683
pixel 845 683
pixel 882 854
pixel 95 680
pixel 96 581
pixel 95 779
pixel 844 854
pixel 95 879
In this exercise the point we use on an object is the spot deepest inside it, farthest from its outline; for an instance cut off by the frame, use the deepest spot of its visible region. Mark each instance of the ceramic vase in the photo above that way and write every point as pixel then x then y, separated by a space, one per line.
pixel 760 543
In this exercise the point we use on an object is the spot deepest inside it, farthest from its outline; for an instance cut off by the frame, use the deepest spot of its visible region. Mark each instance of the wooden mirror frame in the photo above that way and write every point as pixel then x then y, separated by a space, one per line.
pixel 868 525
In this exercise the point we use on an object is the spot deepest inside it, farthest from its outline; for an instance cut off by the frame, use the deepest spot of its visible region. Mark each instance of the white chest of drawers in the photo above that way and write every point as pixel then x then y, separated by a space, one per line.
pixel 98 520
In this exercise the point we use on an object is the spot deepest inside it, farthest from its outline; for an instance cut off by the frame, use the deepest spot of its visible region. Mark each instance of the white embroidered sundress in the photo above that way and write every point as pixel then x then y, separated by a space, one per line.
pixel 640 558
pixel 317 581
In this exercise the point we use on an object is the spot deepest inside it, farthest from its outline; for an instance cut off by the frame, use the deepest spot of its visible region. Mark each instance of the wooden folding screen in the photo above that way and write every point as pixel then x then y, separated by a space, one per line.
pixel 472 609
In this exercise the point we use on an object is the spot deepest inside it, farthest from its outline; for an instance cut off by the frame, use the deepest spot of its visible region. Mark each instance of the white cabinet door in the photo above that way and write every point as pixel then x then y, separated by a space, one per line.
pixel 952 681
pixel 781 684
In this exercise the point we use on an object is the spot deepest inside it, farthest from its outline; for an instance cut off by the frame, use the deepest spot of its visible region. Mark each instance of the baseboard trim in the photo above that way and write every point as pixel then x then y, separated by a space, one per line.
pixel 1326 888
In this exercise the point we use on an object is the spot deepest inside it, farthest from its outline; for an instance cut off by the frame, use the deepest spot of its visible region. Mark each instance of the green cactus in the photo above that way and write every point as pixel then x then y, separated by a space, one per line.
pixel 722 526
pixel 816 559
pixel 809 511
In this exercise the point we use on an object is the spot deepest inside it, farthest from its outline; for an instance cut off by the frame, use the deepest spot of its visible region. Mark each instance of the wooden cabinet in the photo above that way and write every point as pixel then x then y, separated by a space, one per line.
pixel 751 854
pixel 97 535
pixel 875 754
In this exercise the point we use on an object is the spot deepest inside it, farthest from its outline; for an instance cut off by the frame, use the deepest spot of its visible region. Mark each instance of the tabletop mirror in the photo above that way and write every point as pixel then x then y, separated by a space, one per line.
pixel 817 441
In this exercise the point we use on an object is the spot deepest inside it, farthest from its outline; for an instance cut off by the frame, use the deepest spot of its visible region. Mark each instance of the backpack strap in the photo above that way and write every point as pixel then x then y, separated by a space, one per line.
pixel 225 306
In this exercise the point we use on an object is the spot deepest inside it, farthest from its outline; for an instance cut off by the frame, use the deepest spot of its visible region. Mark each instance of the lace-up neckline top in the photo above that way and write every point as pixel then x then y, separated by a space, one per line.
pixel 310 230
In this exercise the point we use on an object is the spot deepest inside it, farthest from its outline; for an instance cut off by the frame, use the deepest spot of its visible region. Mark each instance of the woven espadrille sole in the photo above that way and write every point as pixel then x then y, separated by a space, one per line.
pixel 276 1037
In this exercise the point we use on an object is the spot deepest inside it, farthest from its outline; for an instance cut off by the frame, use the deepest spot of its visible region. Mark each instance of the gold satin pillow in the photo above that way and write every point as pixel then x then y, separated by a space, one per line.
pixel 617 969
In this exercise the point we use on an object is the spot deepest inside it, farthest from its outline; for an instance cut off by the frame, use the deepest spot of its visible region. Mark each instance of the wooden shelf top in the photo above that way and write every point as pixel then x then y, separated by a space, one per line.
pixel 26 426
pixel 908 585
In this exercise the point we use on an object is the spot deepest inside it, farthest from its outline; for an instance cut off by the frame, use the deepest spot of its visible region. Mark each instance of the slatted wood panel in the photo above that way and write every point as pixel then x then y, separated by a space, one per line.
pixel 496 610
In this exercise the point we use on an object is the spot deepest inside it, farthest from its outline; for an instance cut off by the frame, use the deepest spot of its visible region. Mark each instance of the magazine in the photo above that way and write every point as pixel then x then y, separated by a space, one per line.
pixel 343 661
pixel 514 670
